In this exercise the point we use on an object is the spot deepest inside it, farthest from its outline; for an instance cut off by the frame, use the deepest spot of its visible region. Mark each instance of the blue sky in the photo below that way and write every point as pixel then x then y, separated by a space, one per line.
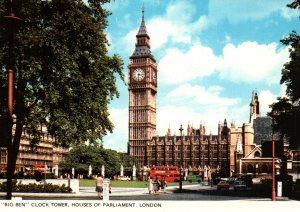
pixel 211 55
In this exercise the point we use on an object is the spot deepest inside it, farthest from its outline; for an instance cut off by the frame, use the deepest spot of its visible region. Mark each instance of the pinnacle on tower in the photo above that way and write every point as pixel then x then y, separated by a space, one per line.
pixel 143 29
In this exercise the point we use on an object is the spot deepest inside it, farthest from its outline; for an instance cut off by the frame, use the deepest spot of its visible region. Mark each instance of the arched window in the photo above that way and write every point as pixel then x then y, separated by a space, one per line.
pixel 250 168
pixel 257 154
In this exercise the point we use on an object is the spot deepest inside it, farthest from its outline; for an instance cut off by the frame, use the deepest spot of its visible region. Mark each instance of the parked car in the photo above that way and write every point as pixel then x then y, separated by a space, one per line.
pixel 223 185
pixel 125 178
pixel 194 178
pixel 247 179
pixel 239 185
pixel 231 180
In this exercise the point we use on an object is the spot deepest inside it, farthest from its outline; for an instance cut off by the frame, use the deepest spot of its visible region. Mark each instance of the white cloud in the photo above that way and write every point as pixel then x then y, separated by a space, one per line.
pixel 252 62
pixel 115 5
pixel 243 10
pixel 170 116
pixel 196 104
pixel 177 12
pixel 266 98
pixel 283 88
pixel 163 30
pixel 173 116
pixel 119 138
pixel 289 13
pixel 248 62
pixel 127 43
pixel 177 66
pixel 176 26
pixel 201 96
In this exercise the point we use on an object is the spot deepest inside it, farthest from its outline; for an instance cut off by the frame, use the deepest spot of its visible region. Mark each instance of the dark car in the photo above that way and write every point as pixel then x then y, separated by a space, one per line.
pixel 231 180
pixel 223 185
pixel 247 179
pixel 239 185
pixel 194 178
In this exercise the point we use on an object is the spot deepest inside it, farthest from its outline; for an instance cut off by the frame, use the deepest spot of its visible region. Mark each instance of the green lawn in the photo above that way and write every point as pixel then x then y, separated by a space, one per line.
pixel 128 184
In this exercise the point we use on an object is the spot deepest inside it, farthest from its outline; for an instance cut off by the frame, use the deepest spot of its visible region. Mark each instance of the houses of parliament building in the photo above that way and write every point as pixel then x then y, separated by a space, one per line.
pixel 193 149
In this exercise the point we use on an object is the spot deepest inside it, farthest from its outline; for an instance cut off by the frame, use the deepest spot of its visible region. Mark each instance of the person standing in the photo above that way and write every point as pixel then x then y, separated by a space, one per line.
pixel 99 186
pixel 156 185
pixel 163 185
pixel 150 185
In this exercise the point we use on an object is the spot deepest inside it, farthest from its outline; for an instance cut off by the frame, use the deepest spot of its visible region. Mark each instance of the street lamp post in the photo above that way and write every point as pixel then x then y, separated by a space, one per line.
pixel 273 161
pixel 11 22
pixel 181 158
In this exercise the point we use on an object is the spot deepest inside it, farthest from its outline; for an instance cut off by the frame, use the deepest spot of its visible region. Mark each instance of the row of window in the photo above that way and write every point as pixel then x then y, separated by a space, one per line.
pixel 139 60
pixel 3 156
pixel 188 148
pixel 187 155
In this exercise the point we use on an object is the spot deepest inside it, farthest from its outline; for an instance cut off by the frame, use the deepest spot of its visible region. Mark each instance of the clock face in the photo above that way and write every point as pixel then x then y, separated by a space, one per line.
pixel 138 74
pixel 154 76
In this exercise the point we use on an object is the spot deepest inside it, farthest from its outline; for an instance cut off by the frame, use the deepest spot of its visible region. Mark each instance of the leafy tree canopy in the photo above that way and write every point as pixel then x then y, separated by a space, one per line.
pixel 64 77
pixel 82 156
pixel 286 111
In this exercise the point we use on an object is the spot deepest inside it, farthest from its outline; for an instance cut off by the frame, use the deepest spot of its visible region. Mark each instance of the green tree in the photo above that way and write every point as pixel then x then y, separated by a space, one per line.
pixel 82 156
pixel 111 162
pixel 128 162
pixel 286 111
pixel 64 77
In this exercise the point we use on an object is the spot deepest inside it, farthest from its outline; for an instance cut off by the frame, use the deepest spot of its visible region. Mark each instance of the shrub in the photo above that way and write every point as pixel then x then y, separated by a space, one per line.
pixel 37 188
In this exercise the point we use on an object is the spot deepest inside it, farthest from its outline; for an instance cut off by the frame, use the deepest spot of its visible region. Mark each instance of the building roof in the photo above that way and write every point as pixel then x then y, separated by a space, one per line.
pixel 263 129
pixel 144 49
pixel 141 51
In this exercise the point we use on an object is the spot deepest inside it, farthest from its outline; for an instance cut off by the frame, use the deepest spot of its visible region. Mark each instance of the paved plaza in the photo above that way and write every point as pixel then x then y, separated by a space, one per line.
pixel 189 193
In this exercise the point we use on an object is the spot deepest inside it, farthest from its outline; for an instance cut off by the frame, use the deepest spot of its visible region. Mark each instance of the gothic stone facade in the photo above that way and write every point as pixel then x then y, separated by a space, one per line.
pixel 194 150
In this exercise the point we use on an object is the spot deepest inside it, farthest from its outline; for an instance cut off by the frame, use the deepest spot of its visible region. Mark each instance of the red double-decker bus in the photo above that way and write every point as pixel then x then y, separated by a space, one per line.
pixel 171 173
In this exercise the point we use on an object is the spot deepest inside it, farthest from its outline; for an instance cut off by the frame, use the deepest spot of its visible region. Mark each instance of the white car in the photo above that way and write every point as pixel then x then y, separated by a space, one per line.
pixel 125 178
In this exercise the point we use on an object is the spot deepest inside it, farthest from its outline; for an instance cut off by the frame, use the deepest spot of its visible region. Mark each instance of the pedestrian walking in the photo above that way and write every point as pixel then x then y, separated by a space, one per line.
pixel 99 186
pixel 156 185
pixel 163 185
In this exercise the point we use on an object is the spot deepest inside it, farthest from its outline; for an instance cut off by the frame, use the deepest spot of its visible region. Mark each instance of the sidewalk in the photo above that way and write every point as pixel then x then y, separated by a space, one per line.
pixel 116 191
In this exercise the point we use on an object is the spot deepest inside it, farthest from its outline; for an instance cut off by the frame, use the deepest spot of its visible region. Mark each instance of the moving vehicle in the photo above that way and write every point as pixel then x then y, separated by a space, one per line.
pixel 223 185
pixel 170 173
pixel 239 185
pixel 194 178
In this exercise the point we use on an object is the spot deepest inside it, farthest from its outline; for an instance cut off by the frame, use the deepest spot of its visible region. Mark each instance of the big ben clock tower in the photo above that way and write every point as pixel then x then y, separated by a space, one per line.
pixel 142 87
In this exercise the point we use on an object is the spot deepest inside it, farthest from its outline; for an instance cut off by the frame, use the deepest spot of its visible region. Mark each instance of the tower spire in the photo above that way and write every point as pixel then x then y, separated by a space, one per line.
pixel 143 29
pixel 143 11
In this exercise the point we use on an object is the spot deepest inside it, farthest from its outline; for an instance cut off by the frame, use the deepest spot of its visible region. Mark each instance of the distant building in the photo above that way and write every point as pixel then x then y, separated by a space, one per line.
pixel 46 152
pixel 195 150
pixel 258 162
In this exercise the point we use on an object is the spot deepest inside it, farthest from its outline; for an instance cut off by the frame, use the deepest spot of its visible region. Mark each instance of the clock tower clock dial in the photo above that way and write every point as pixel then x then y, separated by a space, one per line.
pixel 138 74
pixel 142 89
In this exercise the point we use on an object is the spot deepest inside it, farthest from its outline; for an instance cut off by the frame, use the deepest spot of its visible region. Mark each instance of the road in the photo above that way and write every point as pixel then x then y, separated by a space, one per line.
pixel 189 193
